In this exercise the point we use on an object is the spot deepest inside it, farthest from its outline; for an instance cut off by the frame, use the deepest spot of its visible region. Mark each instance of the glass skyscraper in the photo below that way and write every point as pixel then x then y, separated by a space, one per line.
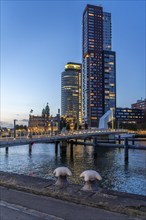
pixel 98 65
pixel 71 91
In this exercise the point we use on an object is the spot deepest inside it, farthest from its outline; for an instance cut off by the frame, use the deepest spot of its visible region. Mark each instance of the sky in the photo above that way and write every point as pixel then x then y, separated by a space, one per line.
pixel 39 37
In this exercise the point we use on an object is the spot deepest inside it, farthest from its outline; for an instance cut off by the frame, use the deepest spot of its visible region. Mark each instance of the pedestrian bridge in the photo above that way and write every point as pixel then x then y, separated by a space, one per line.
pixel 79 135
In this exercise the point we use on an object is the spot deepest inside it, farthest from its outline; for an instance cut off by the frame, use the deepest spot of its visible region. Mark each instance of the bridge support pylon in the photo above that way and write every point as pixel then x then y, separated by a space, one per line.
pixel 63 143
pixel 7 149
pixel 30 148
pixel 133 141
pixel 71 149
pixel 56 147
pixel 126 153
pixel 63 148
pixel 95 142
pixel 119 137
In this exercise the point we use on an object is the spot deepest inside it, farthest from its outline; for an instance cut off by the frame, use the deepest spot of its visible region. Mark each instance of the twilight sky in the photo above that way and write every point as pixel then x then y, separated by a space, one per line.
pixel 39 37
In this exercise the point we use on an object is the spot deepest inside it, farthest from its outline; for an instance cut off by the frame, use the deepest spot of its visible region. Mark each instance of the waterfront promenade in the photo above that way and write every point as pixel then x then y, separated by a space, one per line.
pixel 24 197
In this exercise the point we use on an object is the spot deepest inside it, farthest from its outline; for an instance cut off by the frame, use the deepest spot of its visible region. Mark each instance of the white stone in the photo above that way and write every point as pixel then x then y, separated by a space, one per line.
pixel 62 171
pixel 90 175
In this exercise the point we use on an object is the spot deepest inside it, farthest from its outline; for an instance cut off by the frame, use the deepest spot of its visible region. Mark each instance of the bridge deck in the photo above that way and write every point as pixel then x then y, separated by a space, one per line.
pixel 76 136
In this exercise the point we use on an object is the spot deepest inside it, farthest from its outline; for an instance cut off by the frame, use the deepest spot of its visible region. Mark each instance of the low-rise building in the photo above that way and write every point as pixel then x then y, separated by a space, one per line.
pixel 129 114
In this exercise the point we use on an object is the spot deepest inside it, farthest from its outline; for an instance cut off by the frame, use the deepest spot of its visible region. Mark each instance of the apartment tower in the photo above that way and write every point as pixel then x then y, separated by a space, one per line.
pixel 98 65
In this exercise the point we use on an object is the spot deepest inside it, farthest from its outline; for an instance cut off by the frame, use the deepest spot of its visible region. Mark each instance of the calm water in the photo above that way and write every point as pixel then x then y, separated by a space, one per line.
pixel 42 160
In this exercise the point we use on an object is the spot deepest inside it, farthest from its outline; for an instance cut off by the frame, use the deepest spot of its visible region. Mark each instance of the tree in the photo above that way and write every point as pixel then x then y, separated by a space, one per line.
pixel 21 127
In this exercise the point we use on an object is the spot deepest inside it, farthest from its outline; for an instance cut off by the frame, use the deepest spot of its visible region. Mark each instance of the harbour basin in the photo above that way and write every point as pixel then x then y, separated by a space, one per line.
pixel 42 159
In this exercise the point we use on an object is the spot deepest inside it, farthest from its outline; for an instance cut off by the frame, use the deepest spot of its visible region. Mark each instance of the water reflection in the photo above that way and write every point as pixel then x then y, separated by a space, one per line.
pixel 42 159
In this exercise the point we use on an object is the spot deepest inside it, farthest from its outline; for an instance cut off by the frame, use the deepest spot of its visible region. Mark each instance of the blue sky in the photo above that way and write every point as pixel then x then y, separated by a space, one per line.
pixel 39 37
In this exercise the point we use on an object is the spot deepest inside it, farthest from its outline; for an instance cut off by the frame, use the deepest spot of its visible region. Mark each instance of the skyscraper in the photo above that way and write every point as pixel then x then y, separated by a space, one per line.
pixel 71 93
pixel 99 73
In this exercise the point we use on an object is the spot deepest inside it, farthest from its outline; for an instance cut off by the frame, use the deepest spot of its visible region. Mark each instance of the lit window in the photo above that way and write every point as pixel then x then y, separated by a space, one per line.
pixel 91 14
pixel 87 55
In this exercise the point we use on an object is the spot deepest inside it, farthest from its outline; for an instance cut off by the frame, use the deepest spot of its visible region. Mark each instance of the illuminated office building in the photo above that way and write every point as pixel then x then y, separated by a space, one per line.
pixel 71 93
pixel 99 72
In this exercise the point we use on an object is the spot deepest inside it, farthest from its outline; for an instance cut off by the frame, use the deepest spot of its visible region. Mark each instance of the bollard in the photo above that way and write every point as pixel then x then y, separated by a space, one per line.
pixel 90 177
pixel 61 173
pixel 126 149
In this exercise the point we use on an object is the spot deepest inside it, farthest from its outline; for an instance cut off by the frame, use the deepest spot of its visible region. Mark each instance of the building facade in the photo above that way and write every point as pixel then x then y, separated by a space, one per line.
pixel 107 31
pixel 140 104
pixel 44 123
pixel 109 85
pixel 98 65
pixel 129 114
pixel 71 91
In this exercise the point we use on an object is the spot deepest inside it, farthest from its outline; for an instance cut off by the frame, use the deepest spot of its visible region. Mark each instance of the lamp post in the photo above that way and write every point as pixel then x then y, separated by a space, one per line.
pixel 15 128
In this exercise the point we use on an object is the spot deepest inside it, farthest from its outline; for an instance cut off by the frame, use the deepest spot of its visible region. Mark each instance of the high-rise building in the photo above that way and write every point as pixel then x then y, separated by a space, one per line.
pixel 98 68
pixel 71 91
pixel 109 82
pixel 107 31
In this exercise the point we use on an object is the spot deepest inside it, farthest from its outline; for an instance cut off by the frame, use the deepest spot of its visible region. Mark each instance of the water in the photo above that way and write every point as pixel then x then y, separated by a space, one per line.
pixel 42 160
